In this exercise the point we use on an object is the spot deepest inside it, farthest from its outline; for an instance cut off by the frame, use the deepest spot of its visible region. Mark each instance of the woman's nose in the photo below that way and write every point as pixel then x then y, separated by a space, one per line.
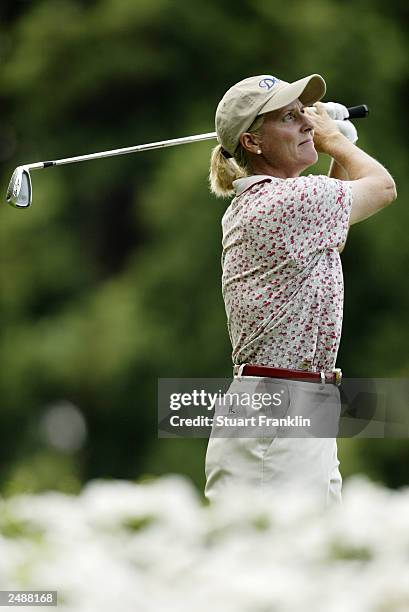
pixel 307 120
pixel 307 124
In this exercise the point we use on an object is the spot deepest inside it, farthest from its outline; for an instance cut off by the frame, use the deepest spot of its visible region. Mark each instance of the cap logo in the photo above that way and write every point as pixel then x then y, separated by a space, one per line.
pixel 268 82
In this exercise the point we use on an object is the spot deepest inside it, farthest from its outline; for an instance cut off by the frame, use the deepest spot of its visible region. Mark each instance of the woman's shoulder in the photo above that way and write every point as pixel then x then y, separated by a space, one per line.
pixel 246 183
pixel 313 184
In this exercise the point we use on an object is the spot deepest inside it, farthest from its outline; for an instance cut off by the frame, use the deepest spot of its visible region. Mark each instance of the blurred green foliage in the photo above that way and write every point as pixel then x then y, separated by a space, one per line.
pixel 112 278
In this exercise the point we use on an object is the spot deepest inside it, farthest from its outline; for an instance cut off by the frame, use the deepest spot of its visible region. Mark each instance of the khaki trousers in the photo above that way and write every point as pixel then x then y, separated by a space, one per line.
pixel 273 462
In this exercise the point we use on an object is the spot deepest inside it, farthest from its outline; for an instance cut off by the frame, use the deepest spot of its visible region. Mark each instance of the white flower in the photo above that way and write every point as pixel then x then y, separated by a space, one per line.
pixel 154 546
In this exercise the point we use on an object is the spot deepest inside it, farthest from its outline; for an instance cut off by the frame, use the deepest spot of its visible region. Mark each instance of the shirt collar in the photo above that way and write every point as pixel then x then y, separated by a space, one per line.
pixel 241 185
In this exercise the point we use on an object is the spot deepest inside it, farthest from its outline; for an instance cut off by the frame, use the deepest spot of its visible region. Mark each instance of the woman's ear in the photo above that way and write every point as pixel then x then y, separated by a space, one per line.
pixel 250 142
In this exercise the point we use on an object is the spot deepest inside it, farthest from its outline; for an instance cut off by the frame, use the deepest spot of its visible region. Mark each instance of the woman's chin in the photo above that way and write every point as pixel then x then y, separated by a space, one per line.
pixel 313 157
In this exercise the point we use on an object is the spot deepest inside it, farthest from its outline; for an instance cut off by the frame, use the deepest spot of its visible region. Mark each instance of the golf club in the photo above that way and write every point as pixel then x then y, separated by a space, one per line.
pixel 20 193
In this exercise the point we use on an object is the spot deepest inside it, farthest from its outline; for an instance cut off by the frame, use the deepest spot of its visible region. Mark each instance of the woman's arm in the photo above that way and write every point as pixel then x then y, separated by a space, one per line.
pixel 337 172
pixel 373 187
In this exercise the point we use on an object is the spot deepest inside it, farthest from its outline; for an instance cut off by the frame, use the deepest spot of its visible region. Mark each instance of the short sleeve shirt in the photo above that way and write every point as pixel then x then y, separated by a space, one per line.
pixel 282 277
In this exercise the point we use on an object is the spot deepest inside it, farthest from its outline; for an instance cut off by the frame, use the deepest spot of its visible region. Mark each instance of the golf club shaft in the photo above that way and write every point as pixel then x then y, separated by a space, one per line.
pixel 354 112
pixel 144 147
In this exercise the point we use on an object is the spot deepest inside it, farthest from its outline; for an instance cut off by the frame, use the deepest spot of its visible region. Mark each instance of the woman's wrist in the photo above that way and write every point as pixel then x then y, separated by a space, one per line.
pixel 333 144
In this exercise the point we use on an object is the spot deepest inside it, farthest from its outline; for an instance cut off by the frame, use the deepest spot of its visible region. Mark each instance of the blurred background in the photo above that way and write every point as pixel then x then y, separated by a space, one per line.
pixel 112 279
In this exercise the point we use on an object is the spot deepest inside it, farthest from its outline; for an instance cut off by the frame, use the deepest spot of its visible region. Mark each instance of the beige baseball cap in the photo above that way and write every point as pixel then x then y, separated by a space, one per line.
pixel 257 95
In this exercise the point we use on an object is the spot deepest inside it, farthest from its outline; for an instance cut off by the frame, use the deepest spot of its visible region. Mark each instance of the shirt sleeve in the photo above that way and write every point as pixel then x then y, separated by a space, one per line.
pixel 315 213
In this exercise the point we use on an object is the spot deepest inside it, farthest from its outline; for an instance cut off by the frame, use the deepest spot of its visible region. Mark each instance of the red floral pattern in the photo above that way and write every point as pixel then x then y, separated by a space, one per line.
pixel 282 275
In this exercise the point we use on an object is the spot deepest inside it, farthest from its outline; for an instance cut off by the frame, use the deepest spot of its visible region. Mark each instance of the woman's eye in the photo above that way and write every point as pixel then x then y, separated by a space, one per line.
pixel 289 116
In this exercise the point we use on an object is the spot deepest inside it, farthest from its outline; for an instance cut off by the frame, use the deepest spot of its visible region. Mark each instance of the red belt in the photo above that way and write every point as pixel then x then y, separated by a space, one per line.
pixel 246 369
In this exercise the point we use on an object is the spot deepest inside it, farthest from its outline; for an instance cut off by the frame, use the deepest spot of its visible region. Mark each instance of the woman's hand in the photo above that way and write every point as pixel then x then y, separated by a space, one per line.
pixel 325 128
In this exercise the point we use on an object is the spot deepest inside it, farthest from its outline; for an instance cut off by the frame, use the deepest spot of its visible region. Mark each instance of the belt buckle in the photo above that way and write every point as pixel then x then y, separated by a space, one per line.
pixel 338 376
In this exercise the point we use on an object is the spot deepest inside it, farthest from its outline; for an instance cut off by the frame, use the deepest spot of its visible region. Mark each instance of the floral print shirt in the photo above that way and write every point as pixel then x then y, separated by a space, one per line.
pixel 282 276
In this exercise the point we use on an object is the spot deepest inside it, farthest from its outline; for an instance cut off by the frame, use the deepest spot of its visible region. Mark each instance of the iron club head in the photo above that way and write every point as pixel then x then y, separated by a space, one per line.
pixel 19 191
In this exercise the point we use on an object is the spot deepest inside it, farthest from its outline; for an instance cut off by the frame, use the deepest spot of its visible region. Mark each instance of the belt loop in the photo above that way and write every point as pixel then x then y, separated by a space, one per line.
pixel 241 368
pixel 323 379
pixel 238 370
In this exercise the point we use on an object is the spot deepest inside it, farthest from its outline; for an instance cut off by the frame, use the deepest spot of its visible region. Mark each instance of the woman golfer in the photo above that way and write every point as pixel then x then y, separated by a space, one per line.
pixel 282 278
